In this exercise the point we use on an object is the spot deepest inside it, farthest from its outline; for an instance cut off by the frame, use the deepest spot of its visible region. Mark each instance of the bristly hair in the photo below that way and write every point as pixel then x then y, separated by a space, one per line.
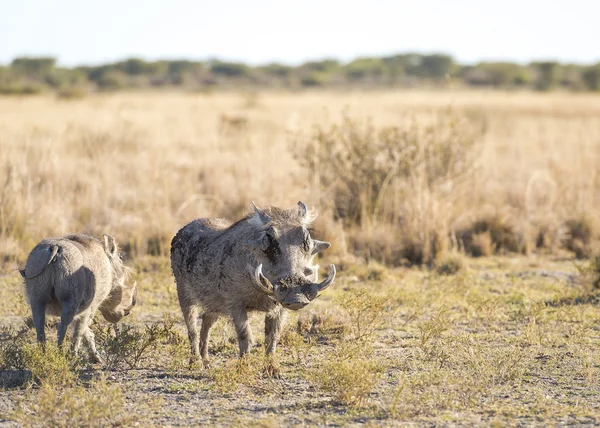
pixel 280 215
pixel 310 216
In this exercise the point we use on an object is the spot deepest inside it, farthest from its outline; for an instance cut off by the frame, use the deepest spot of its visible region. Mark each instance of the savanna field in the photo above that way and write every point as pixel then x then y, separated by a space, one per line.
pixel 464 227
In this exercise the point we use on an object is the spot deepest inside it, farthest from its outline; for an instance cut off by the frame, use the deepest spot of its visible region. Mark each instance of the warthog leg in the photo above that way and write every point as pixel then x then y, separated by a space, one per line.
pixel 66 317
pixel 190 315
pixel 38 312
pixel 82 331
pixel 79 326
pixel 273 324
pixel 208 320
pixel 91 343
pixel 242 327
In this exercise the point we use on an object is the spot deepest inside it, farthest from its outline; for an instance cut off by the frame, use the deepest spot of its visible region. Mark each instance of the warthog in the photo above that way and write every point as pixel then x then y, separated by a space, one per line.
pixel 72 277
pixel 263 262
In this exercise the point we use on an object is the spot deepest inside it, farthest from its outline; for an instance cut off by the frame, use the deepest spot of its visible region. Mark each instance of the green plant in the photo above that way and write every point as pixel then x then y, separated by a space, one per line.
pixel 130 345
pixel 366 312
pixel 349 372
pixel 580 232
pixel 236 372
pixel 391 176
pixel 450 265
pixel 100 404
pixel 48 364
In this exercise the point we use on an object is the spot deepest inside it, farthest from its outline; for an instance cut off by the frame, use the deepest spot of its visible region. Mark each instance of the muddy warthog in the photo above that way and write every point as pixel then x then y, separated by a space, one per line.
pixel 263 262
pixel 72 277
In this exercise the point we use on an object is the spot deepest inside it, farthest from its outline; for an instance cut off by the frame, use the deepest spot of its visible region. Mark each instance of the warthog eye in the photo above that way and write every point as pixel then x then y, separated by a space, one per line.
pixel 272 251
pixel 306 242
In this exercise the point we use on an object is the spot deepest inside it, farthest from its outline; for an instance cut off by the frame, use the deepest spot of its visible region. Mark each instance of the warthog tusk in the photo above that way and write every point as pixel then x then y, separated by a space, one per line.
pixel 261 282
pixel 326 283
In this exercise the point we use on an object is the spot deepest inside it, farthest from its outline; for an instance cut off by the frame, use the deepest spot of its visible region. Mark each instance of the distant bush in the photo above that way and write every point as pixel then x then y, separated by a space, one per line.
pixel 21 89
pixel 548 75
pixel 591 77
pixel 492 234
pixel 371 175
pixel 579 235
pixel 230 69
pixel 72 93
pixel 406 69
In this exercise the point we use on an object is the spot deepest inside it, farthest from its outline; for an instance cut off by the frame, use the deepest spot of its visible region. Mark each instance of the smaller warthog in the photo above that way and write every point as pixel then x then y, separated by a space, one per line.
pixel 72 277
pixel 263 262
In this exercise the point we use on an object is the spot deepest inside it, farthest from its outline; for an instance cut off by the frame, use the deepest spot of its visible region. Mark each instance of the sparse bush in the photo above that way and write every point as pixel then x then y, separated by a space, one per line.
pixel 350 372
pixel 130 345
pixel 481 245
pixel 49 365
pixel 71 93
pixel 450 265
pixel 324 323
pixel 241 371
pixel 21 88
pixel 548 236
pixel 366 312
pixel 431 332
pixel 492 234
pixel 298 345
pixel 392 176
pixel 590 275
pixel 578 239
pixel 100 404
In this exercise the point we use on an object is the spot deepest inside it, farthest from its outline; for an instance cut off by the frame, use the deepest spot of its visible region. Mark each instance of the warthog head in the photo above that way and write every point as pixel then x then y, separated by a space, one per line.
pixel 122 297
pixel 285 252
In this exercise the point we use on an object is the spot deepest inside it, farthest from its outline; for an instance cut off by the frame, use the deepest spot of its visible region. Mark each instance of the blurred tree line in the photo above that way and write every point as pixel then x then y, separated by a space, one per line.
pixel 33 75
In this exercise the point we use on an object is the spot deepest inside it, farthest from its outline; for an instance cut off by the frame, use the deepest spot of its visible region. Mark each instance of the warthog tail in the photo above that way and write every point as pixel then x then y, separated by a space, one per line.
pixel 51 259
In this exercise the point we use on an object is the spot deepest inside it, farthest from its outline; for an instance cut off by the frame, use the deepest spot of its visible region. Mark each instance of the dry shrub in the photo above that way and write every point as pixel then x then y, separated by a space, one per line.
pixel 244 371
pixel 349 372
pixel 351 369
pixel 130 345
pixel 72 93
pixel 579 234
pixel 590 276
pixel 366 312
pixel 233 124
pixel 48 364
pixel 492 234
pixel 481 245
pixel 100 404
pixel 451 264
pixel 326 323
pixel 390 186
pixel 549 236
pixel 469 374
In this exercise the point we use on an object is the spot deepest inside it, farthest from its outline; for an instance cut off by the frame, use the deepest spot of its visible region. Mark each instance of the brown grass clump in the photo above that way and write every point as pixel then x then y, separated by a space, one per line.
pixel 322 323
pixel 491 235
pixel 389 184
pixel 100 404
pixel 579 234
pixel 350 372
pixel 389 188
pixel 451 264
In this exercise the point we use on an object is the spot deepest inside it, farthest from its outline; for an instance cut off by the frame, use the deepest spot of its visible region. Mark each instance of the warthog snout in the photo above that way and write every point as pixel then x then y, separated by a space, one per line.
pixel 294 292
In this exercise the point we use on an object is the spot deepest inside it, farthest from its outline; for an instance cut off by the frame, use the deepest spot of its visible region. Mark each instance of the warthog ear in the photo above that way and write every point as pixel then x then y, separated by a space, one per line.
pixel 320 246
pixel 264 217
pixel 261 242
pixel 302 209
pixel 110 245
pixel 305 215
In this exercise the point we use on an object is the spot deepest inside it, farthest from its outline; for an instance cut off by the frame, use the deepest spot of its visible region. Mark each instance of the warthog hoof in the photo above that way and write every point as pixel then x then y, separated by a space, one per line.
pixel 272 369
pixel 96 358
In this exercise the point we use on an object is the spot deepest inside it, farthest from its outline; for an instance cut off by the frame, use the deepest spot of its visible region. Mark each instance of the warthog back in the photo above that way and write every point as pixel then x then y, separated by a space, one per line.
pixel 72 277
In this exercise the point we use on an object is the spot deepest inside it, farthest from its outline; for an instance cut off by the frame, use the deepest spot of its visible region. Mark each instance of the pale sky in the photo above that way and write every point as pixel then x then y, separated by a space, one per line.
pixel 260 31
